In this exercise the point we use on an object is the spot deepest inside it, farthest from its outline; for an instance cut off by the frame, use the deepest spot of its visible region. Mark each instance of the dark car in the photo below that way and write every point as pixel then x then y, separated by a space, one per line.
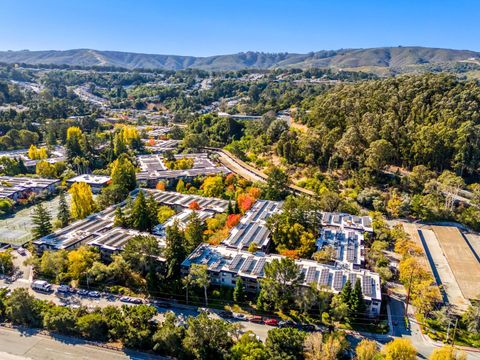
pixel 287 324
pixel 136 301
pixel 308 327
pixel 226 314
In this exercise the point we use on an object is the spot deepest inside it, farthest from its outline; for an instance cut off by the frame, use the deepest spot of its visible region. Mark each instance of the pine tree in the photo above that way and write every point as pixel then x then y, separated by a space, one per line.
pixel 236 209
pixel 42 222
pixel 120 219
pixel 152 207
pixel 140 214
pixel 175 251
pixel 194 232
pixel 357 302
pixel 230 208
pixel 346 293
pixel 63 212
pixel 239 292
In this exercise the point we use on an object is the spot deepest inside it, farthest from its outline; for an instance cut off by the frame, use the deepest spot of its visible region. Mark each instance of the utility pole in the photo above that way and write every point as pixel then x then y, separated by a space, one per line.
pixel 448 329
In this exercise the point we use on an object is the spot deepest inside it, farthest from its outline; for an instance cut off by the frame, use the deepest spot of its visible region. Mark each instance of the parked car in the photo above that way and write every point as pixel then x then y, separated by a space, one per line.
pixel 255 319
pixel 203 309
pixel 21 251
pixel 94 294
pixel 287 324
pixel 136 301
pixel 271 322
pixel 239 316
pixel 64 289
pixel 125 299
pixel 226 314
pixel 308 327
pixel 82 292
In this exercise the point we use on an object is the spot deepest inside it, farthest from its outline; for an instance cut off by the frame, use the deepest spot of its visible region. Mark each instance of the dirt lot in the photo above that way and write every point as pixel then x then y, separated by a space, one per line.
pixel 412 231
pixel 461 260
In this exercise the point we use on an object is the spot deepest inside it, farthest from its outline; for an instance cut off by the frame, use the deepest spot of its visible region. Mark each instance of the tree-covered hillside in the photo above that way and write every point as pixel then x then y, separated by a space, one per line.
pixel 431 120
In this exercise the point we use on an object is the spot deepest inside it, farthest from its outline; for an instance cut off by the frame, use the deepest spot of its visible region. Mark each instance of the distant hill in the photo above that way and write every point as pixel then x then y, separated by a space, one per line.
pixel 401 58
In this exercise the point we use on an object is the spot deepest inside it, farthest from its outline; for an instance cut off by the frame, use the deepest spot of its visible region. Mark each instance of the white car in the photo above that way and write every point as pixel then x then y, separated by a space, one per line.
pixel 239 316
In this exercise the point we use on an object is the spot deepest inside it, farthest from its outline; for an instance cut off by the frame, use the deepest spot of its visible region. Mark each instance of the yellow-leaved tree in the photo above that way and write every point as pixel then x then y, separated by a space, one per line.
pixel 82 203
pixel 400 349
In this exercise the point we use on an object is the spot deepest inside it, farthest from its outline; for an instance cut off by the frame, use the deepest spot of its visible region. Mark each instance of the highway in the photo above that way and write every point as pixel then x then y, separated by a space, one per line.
pixel 247 171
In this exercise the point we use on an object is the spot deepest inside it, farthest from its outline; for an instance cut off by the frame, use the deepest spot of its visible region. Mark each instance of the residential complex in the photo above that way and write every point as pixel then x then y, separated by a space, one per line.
pixel 153 168
pixel 56 154
pixel 96 182
pixel 17 188
pixel 252 228
pixel 226 264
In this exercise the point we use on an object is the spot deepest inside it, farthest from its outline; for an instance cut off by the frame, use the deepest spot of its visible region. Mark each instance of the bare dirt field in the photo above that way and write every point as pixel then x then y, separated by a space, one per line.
pixel 461 260
pixel 412 231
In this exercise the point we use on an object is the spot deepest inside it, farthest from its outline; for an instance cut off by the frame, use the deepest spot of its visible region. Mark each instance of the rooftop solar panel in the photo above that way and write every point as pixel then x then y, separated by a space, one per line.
pixel 310 276
pixel 324 274
pixel 235 261
pixel 338 280
pixel 367 285
pixel 259 266
pixel 246 265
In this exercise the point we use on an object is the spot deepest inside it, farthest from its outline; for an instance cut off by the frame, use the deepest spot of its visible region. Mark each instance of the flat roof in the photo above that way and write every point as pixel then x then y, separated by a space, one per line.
pixel 363 223
pixel 251 265
pixel 348 244
pixel 172 198
pixel 90 179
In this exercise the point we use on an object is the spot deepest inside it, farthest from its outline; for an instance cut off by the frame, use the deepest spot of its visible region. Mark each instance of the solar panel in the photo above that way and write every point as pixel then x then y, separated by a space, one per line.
pixel 259 266
pixel 235 261
pixel 367 285
pixel 310 276
pixel 338 281
pixel 324 277
pixel 353 278
pixel 247 264
pixel 350 253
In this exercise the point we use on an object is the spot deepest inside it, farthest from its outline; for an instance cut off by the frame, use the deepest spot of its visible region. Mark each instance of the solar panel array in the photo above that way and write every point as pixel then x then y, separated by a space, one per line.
pixel 259 266
pixel 235 261
pixel 353 278
pixel 311 273
pixel 246 264
pixel 338 280
pixel 324 275
pixel 367 285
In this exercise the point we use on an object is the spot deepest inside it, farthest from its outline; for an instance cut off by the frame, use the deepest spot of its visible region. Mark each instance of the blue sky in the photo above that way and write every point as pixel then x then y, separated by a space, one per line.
pixel 209 27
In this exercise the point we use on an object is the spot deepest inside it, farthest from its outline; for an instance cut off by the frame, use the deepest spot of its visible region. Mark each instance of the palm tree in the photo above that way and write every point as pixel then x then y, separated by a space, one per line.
pixel 187 281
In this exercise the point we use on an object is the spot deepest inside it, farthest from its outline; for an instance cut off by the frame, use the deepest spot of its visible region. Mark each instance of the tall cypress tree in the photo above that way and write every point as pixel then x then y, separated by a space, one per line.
pixel 357 302
pixel 63 210
pixel 42 222
pixel 239 291
pixel 140 215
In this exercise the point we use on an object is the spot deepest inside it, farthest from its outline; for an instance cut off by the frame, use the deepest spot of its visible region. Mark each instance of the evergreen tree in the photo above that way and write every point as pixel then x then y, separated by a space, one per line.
pixel 194 232
pixel 357 302
pixel 175 251
pixel 42 222
pixel 346 293
pixel 123 175
pixel 140 214
pixel 152 206
pixel 230 208
pixel 63 211
pixel 120 219
pixel 236 209
pixel 239 291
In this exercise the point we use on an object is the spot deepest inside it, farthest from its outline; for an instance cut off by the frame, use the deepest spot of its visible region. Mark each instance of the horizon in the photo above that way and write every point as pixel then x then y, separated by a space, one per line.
pixel 238 52
pixel 214 27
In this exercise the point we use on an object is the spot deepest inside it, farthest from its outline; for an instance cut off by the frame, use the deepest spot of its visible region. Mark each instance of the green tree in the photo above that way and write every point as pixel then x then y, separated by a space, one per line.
pixel 6 262
pixel 357 302
pixel 281 282
pixel 248 347
pixel 199 274
pixel 23 309
pixel 285 344
pixel 175 251
pixel 59 319
pixel 239 291
pixel 93 326
pixel 63 214
pixel 137 332
pixel 471 318
pixel 168 338
pixel 42 222
pixel 207 338
pixel 140 215
pixel 142 253
pixel 123 175
pixel 194 232
pixel 277 184
pixel 378 154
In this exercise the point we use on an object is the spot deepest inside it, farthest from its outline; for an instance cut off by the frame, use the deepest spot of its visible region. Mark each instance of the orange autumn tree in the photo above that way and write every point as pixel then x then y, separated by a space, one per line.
pixel 151 142
pixel 233 220
pixel 194 206
pixel 160 185
pixel 245 202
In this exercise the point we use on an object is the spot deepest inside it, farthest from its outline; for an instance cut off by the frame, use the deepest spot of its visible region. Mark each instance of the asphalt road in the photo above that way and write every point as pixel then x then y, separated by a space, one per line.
pixel 15 345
